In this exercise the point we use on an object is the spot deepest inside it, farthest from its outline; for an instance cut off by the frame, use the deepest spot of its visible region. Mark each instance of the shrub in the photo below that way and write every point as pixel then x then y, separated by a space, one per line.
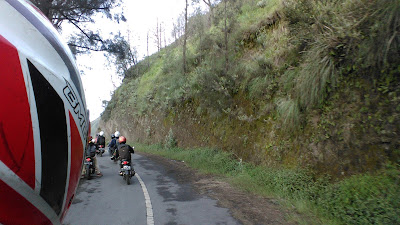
pixel 339 33
pixel 170 141
pixel 364 199
pixel 211 87
pixel 289 113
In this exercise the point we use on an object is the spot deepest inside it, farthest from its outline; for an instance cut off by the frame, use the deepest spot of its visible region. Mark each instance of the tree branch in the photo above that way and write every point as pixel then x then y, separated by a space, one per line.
pixel 207 3
pixel 85 47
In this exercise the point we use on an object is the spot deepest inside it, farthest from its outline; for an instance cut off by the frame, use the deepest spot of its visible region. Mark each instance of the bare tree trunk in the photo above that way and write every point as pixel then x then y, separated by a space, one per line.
pixel 148 59
pixel 226 39
pixel 210 6
pixel 185 38
pixel 157 36
pixel 201 48
pixel 175 32
pixel 165 39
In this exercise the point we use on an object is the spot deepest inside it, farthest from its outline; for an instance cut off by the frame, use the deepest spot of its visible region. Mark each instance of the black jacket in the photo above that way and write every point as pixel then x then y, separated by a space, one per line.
pixel 91 150
pixel 124 151
pixel 101 140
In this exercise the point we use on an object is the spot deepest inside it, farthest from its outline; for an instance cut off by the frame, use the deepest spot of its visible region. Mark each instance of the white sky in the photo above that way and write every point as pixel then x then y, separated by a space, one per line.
pixel 99 80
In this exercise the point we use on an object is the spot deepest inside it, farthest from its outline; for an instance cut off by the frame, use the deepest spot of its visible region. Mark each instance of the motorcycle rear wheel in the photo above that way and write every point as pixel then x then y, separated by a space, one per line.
pixel 127 178
pixel 88 172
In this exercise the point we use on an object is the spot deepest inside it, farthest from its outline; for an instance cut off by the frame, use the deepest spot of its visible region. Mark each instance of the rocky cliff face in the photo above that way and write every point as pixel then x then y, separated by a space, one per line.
pixel 352 134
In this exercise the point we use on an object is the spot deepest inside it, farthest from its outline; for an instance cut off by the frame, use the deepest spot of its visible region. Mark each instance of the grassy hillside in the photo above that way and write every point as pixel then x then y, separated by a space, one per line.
pixel 284 84
pixel 299 83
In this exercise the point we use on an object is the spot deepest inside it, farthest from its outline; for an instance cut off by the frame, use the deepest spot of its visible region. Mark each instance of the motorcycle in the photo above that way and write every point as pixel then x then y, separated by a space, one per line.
pixel 111 151
pixel 89 166
pixel 100 150
pixel 113 155
pixel 127 171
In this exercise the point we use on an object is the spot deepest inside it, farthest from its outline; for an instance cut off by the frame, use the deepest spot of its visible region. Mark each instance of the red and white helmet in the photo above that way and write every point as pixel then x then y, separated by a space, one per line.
pixel 122 139
pixel 43 118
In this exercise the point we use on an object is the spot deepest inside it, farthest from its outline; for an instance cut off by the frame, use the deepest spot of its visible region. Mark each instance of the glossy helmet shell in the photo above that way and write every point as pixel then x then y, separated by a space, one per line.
pixel 122 139
pixel 43 118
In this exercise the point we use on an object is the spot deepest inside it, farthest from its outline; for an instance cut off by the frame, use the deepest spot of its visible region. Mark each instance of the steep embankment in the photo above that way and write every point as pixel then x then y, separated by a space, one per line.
pixel 94 126
pixel 282 83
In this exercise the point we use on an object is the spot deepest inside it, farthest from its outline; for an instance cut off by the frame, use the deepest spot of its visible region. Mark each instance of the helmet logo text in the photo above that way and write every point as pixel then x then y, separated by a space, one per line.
pixel 76 105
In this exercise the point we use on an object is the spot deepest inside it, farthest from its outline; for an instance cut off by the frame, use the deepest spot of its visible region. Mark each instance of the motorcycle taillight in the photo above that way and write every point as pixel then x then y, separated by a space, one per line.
pixel 88 159
pixel 125 162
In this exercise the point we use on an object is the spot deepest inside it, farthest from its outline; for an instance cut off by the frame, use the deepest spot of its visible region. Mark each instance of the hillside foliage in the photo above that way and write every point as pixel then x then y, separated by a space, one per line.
pixel 316 75
pixel 289 84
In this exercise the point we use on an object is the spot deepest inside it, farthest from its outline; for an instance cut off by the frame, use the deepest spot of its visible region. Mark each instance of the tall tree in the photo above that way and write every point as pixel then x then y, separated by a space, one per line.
pixel 178 27
pixel 226 36
pixel 160 36
pixel 211 5
pixel 122 54
pixel 165 39
pixel 156 35
pixel 79 13
pixel 197 24
pixel 148 60
pixel 185 36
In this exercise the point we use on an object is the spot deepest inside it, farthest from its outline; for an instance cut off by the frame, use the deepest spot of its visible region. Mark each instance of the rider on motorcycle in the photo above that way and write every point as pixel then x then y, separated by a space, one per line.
pixel 101 140
pixel 117 134
pixel 112 146
pixel 91 152
pixel 115 144
pixel 124 151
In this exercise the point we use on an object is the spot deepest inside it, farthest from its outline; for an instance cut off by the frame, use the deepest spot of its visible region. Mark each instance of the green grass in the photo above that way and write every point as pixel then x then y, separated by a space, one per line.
pixel 289 112
pixel 360 199
pixel 252 14
pixel 146 84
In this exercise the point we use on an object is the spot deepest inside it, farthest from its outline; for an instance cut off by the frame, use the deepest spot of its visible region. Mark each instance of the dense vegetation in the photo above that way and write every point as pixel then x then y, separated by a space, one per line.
pixel 361 199
pixel 289 85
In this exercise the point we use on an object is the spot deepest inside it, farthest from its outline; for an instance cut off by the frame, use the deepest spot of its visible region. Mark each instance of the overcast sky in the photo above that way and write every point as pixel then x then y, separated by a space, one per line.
pixel 99 80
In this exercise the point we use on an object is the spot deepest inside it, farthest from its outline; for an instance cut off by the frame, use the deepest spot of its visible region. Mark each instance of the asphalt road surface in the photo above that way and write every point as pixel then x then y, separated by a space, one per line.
pixel 153 197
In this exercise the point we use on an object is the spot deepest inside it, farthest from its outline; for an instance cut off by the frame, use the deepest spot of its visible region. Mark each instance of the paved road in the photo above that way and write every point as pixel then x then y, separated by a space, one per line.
pixel 109 200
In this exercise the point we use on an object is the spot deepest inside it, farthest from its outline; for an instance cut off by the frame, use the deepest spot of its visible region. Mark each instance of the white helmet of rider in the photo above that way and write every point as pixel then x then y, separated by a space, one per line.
pixel 101 133
pixel 116 134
